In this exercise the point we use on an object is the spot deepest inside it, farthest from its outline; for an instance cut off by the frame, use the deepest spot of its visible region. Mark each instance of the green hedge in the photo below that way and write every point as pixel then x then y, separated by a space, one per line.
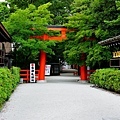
pixel 9 79
pixel 107 78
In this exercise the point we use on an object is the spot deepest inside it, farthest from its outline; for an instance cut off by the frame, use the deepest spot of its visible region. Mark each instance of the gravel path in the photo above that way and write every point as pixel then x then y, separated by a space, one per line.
pixel 61 98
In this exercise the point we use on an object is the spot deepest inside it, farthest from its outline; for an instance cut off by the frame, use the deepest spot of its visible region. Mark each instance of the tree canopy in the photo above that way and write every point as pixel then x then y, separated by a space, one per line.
pixel 20 25
pixel 4 11
pixel 89 21
pixel 88 18
pixel 60 8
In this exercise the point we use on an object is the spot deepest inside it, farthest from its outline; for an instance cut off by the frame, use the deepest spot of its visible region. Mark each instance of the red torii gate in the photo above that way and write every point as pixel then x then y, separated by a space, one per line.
pixel 42 61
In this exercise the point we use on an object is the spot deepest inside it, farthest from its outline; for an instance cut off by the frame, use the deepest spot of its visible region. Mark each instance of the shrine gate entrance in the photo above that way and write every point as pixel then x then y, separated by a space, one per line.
pixel 42 61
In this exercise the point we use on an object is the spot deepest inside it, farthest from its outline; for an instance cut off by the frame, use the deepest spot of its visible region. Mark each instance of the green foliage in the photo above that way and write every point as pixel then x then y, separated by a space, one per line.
pixel 16 74
pixel 87 18
pixel 97 55
pixel 72 56
pixel 114 24
pixel 103 10
pixel 58 53
pixel 9 79
pixel 60 8
pixel 72 53
pixel 22 24
pixel 107 78
pixel 4 11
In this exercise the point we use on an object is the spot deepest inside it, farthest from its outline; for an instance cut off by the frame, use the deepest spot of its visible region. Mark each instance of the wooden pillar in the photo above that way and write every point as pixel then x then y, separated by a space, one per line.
pixel 42 64
pixel 83 72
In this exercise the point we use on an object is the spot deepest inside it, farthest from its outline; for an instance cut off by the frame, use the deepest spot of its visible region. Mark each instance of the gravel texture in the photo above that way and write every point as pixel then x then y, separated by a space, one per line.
pixel 61 98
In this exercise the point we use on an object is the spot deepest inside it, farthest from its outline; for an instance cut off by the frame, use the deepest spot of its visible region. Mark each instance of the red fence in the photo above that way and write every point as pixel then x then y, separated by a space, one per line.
pixel 25 74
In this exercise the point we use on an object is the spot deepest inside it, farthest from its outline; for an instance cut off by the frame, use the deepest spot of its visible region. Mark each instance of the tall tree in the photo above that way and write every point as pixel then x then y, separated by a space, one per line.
pixel 114 24
pixel 102 11
pixel 60 8
pixel 88 20
pixel 25 23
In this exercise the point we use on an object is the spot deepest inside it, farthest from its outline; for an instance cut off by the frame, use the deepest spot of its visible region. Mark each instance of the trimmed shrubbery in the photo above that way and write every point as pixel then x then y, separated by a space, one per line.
pixel 107 78
pixel 9 78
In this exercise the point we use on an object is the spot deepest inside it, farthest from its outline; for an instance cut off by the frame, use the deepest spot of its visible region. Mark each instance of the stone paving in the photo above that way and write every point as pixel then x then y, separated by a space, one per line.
pixel 61 98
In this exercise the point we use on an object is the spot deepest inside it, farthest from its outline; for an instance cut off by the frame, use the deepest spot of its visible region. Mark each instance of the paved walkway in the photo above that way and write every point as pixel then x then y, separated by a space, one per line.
pixel 61 98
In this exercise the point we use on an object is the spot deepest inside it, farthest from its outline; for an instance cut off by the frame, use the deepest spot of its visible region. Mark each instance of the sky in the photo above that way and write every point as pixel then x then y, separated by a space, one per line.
pixel 2 0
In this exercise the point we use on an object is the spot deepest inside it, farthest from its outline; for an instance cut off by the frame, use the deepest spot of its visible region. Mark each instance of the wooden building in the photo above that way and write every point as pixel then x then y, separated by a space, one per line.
pixel 114 44
pixel 5 47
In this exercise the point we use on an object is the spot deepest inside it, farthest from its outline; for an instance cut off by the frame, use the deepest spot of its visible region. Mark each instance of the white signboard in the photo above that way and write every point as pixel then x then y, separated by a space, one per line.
pixel 32 72
pixel 47 69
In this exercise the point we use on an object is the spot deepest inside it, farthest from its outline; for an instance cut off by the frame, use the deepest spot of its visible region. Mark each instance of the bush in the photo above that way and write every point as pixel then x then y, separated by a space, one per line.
pixel 9 79
pixel 107 78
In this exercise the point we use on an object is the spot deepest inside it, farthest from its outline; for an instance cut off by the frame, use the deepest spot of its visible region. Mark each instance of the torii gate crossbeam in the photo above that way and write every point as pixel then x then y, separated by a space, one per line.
pixel 45 37
pixel 42 61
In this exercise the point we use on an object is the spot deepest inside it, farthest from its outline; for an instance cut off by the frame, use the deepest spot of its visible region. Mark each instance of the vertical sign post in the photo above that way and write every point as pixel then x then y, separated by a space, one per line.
pixel 32 72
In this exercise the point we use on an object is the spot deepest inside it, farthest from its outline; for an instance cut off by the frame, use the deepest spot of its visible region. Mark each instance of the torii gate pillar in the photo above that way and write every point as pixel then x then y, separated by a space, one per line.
pixel 83 73
pixel 83 69
pixel 42 63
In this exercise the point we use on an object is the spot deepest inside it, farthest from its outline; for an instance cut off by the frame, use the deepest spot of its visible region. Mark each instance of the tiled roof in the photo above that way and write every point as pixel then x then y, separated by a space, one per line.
pixel 110 40
pixel 4 35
